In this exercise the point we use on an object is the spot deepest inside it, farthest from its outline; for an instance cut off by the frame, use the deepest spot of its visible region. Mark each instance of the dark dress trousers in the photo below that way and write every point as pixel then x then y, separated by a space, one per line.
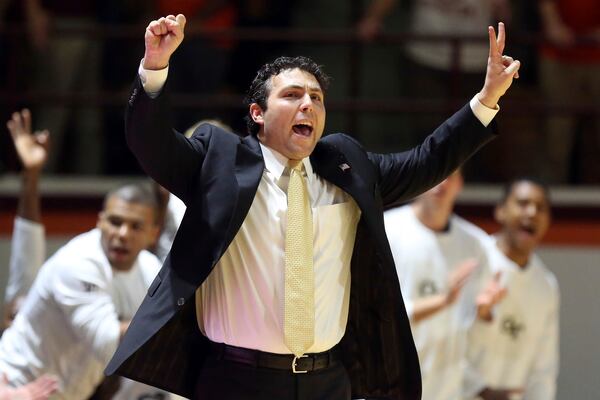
pixel 216 174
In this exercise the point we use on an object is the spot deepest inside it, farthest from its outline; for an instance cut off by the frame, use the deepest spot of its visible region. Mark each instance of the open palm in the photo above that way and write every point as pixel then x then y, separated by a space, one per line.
pixel 32 148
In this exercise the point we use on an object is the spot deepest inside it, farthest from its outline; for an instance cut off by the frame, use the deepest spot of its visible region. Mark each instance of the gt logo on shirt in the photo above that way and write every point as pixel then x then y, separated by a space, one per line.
pixel 512 327
pixel 427 288
pixel 89 287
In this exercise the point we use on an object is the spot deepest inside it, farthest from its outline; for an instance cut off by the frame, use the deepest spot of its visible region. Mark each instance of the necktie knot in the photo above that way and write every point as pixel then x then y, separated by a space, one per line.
pixel 295 165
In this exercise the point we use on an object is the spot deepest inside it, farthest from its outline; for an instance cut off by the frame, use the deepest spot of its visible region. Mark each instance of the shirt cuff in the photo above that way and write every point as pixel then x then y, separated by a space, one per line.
pixel 483 113
pixel 152 80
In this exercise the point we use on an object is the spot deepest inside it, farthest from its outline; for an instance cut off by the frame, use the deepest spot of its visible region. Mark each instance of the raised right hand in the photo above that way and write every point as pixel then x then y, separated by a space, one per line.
pixel 459 277
pixel 162 38
pixel 490 295
pixel 40 389
pixel 32 148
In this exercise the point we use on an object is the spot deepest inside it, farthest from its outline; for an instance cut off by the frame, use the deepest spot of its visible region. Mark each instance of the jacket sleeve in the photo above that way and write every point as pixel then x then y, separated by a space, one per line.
pixel 166 155
pixel 402 176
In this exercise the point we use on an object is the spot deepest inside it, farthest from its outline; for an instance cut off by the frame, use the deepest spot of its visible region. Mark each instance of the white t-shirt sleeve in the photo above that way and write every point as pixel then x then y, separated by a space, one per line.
pixel 84 297
pixel 27 253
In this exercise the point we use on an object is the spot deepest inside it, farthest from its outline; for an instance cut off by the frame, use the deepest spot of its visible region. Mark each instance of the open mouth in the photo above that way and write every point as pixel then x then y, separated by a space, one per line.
pixel 120 251
pixel 527 229
pixel 303 129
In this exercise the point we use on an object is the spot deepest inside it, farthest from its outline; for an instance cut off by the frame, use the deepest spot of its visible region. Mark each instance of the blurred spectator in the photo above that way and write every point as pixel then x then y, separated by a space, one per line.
pixel 570 76
pixel 439 258
pixel 515 343
pixel 119 55
pixel 202 61
pixel 126 288
pixel 249 55
pixel 83 298
pixel 335 57
pixel 436 70
pixel 67 63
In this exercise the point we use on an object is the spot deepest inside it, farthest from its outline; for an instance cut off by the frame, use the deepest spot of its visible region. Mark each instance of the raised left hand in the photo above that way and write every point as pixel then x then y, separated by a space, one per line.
pixel 501 69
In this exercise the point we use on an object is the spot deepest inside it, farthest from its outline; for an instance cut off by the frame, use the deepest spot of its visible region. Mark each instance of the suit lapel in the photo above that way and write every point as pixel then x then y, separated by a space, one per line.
pixel 330 163
pixel 249 166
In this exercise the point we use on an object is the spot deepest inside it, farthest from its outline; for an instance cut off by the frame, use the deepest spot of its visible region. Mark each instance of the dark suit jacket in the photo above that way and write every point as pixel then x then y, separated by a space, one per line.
pixel 217 174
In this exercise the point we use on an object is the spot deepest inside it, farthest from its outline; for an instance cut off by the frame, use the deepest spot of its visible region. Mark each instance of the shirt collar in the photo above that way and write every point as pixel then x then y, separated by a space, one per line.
pixel 276 163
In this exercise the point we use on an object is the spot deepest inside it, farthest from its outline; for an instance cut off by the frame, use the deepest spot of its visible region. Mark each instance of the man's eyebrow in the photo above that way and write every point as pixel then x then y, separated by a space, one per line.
pixel 314 88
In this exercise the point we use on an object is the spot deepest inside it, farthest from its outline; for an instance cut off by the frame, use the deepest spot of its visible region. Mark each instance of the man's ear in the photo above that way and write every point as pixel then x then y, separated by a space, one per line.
pixel 153 236
pixel 100 217
pixel 499 214
pixel 256 113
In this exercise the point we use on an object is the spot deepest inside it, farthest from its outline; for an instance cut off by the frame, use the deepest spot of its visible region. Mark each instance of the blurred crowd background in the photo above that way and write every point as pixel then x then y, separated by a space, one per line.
pixel 399 68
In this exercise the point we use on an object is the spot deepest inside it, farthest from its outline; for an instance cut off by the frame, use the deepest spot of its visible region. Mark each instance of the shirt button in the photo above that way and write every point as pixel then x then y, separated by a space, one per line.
pixel 180 301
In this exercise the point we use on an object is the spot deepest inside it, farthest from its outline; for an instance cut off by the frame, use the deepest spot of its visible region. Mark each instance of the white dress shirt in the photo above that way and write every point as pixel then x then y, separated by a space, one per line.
pixel 241 302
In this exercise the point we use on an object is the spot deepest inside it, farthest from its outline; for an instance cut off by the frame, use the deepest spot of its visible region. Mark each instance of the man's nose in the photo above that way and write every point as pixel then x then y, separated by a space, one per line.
pixel 531 210
pixel 124 230
pixel 307 103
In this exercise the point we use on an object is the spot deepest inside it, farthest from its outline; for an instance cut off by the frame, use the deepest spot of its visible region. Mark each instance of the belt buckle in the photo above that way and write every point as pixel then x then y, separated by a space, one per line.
pixel 295 363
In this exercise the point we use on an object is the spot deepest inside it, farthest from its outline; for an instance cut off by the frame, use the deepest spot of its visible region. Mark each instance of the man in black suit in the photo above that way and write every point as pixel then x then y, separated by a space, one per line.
pixel 212 324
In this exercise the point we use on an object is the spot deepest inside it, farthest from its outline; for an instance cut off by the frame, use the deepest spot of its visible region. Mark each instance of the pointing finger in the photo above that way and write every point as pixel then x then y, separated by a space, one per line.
pixel 26 114
pixel 493 43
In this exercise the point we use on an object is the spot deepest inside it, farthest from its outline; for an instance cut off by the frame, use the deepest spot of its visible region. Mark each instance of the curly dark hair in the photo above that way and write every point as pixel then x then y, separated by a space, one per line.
pixel 261 85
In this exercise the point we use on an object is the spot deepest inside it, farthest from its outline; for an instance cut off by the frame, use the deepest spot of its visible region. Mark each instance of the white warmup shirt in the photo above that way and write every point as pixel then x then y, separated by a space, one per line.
pixel 247 284
pixel 424 260
pixel 519 348
pixel 68 325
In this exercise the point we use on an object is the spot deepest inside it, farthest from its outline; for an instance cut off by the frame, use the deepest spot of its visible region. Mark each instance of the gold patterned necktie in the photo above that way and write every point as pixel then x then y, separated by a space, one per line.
pixel 299 305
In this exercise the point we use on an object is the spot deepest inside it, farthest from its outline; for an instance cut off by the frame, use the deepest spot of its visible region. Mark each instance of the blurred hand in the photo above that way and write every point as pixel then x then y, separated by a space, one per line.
pixel 458 278
pixel 499 394
pixel 502 10
pixel 40 389
pixel 162 38
pixel 368 28
pixel 32 148
pixel 501 69
pixel 38 25
pixel 491 295
pixel 559 34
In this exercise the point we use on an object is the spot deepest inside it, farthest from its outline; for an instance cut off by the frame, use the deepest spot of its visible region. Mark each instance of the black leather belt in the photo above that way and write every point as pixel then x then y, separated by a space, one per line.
pixel 298 365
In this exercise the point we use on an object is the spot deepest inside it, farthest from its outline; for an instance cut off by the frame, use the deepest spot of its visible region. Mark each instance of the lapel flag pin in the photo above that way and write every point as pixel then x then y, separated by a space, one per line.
pixel 344 167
